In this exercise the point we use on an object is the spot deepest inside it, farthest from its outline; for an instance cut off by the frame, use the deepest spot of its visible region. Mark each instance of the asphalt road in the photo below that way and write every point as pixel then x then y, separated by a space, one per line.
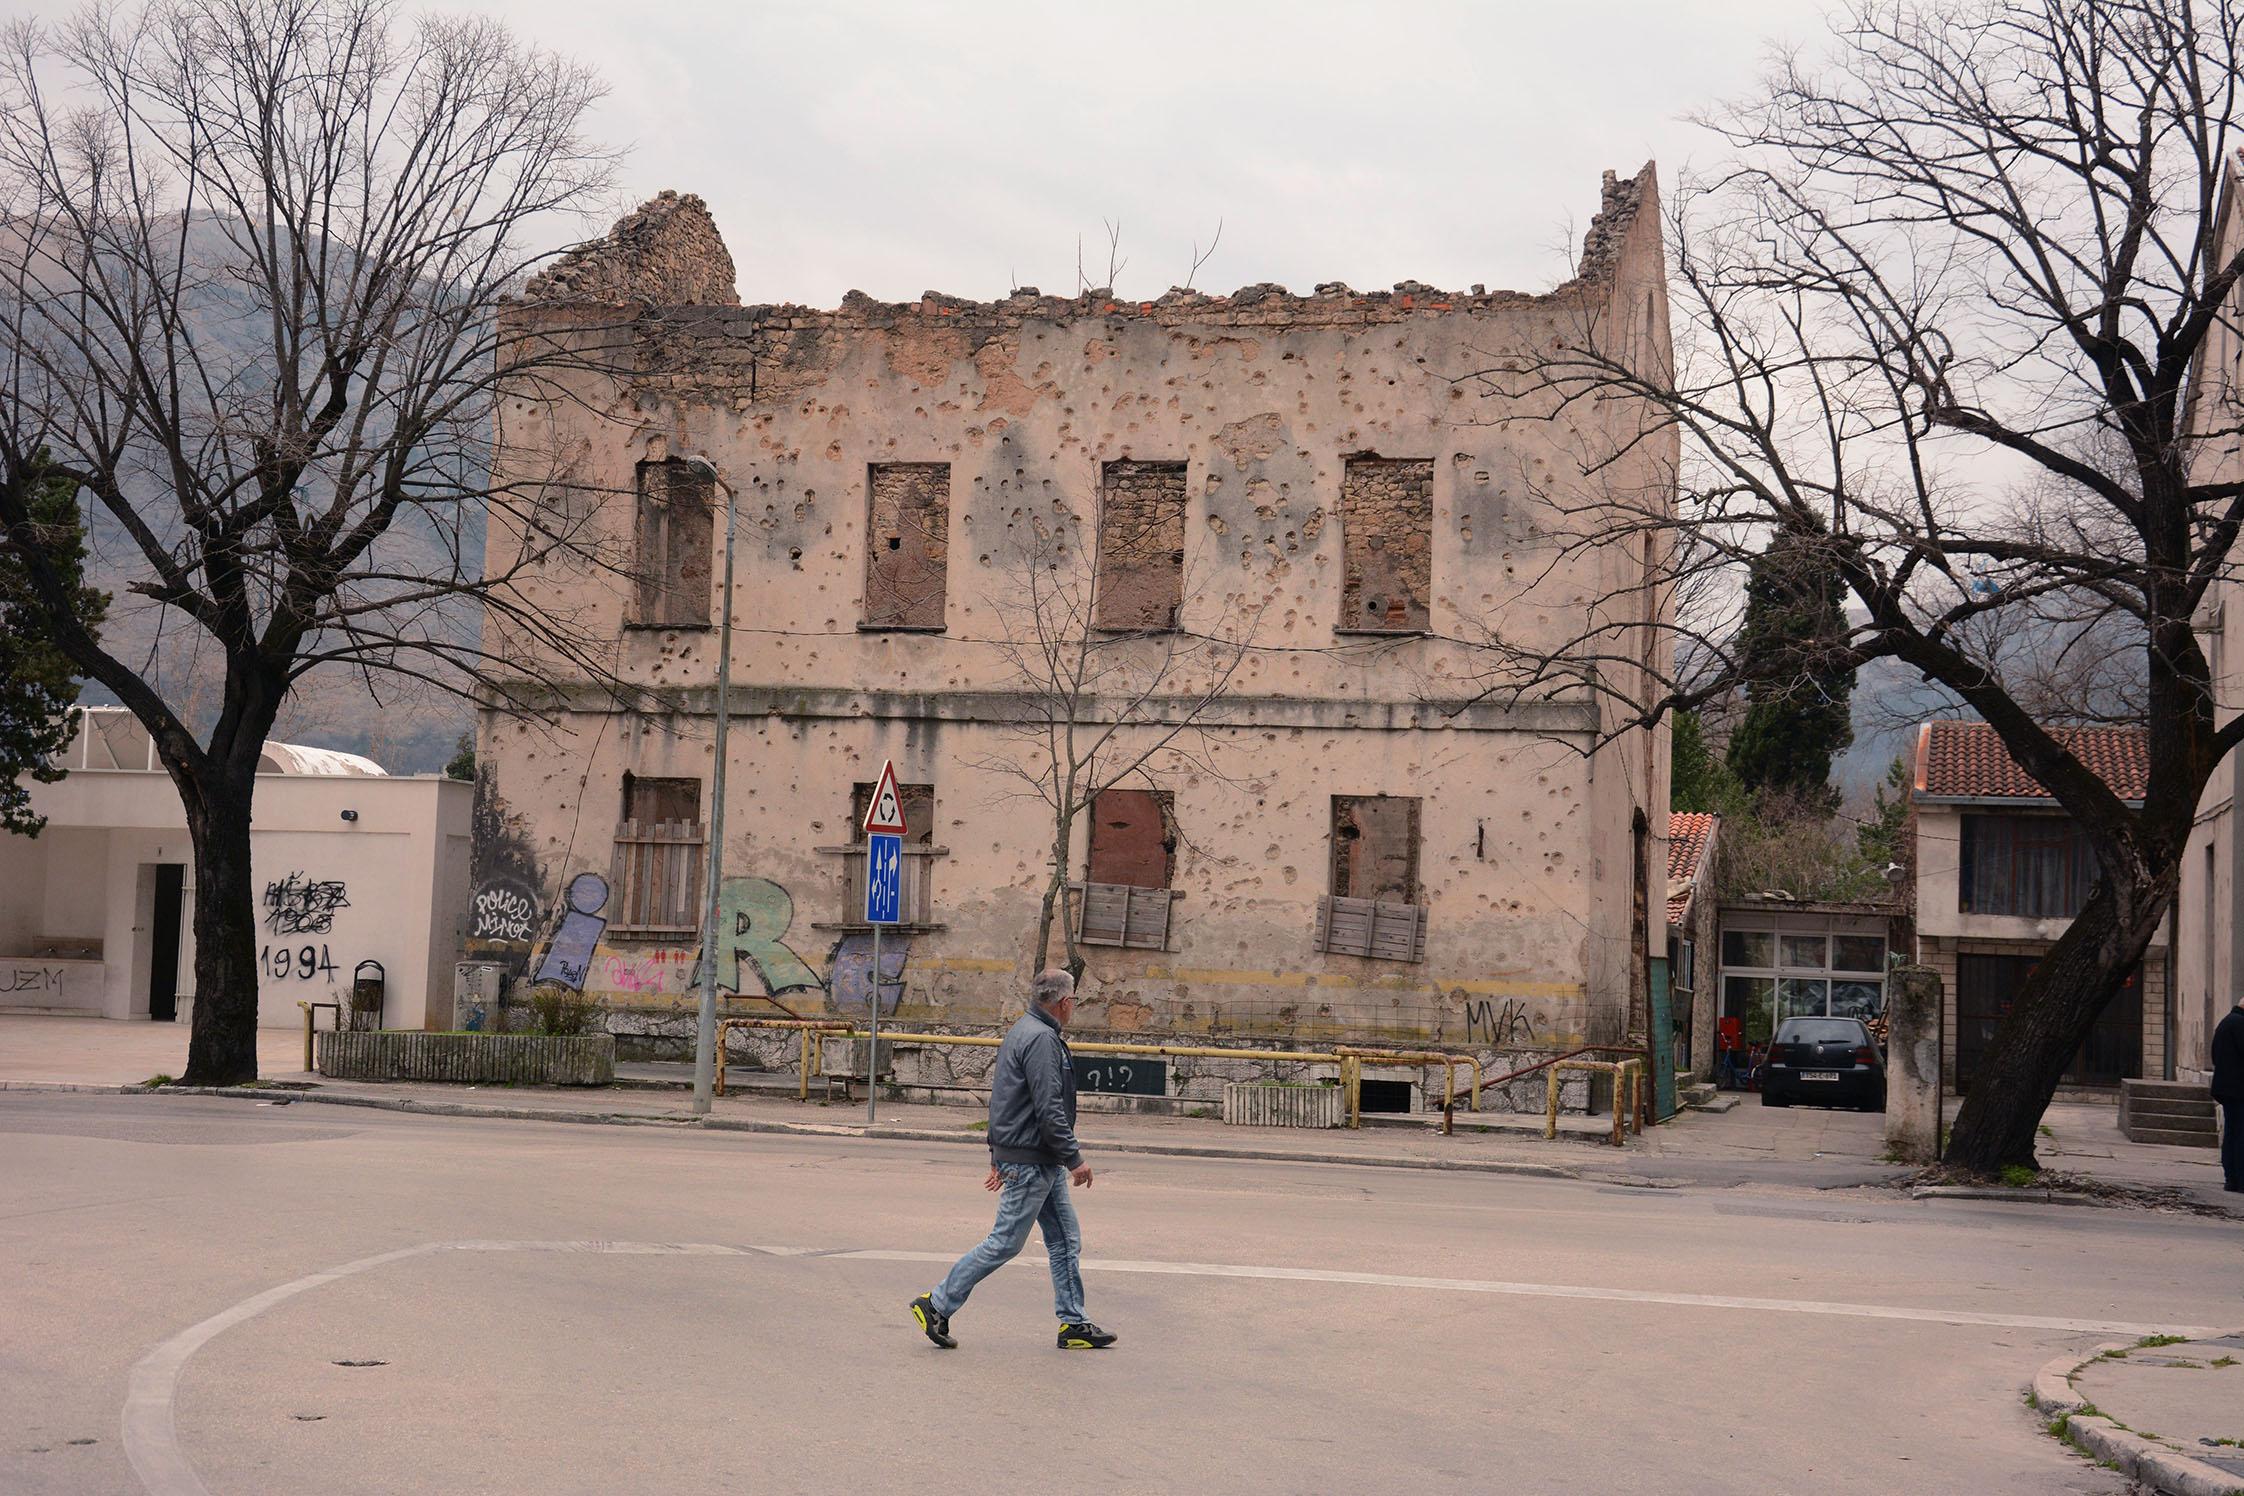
pixel 1284 1328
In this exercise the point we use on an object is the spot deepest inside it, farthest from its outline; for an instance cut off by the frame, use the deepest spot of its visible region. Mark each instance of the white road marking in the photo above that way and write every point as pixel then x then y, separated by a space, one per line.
pixel 151 1429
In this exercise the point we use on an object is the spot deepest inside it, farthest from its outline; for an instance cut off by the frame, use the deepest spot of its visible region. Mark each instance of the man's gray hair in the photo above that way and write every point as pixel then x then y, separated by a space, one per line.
pixel 1050 987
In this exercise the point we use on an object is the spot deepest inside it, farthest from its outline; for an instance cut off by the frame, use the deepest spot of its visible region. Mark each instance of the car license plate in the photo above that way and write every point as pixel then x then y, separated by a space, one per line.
pixel 1819 1075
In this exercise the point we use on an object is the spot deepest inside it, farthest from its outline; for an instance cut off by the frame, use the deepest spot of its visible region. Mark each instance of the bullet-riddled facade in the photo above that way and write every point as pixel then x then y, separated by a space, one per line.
pixel 1305 520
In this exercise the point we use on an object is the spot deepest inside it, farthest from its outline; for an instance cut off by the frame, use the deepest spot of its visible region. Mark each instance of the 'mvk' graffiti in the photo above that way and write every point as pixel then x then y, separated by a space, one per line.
pixel 1510 1024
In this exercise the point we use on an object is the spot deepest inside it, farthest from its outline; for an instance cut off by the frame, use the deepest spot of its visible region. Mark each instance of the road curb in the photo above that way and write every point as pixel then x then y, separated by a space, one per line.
pixel 2005 1196
pixel 2157 1465
pixel 806 1129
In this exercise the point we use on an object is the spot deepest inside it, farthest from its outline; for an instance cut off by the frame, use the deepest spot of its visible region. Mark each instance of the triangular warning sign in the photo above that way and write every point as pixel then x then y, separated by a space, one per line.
pixel 886 813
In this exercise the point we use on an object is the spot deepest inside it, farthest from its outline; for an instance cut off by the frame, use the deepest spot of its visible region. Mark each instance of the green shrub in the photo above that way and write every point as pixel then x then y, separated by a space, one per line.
pixel 563 1012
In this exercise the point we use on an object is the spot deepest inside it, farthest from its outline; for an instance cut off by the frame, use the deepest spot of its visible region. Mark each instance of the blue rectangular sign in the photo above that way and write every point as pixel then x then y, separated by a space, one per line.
pixel 884 878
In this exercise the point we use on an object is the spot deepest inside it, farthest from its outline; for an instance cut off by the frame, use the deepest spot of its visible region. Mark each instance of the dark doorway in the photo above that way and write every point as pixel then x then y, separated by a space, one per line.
pixel 1386 1095
pixel 163 947
pixel 1987 985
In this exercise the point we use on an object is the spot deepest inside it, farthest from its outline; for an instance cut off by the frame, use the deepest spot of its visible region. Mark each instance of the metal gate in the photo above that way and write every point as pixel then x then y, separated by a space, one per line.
pixel 1987 985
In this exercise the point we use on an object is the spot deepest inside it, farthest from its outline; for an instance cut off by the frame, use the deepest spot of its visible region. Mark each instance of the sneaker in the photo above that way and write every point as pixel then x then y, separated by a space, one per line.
pixel 937 1326
pixel 1082 1335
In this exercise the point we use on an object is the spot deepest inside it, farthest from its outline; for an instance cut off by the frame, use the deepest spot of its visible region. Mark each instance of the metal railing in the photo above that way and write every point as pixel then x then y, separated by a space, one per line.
pixel 1628 1075
pixel 1348 1059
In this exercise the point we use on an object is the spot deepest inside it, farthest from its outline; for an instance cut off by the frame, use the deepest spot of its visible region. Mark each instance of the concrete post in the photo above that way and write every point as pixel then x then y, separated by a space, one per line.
pixel 1913 1064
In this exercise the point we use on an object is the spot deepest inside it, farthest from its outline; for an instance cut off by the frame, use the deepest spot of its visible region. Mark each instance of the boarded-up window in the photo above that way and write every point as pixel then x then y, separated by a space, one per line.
pixel 908 540
pixel 1387 537
pixel 1126 899
pixel 1141 545
pixel 658 858
pixel 672 559
pixel 916 896
pixel 1374 910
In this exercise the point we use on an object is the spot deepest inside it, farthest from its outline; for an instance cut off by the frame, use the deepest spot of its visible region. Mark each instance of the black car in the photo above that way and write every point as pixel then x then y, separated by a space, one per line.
pixel 1826 1062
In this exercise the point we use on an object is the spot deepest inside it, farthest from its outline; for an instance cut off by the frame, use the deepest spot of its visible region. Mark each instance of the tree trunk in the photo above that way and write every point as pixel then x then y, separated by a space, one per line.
pixel 1055 891
pixel 222 1050
pixel 2049 1022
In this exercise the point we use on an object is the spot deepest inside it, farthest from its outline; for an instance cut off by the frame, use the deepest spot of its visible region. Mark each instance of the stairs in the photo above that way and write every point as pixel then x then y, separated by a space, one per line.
pixel 2166 1111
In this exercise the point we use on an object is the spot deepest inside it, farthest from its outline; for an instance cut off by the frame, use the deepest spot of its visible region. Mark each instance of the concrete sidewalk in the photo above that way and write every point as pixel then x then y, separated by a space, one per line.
pixel 2169 1415
pixel 1803 1147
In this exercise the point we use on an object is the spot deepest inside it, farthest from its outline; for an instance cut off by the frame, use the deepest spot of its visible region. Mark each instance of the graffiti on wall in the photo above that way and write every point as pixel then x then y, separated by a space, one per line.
pixel 1491 1023
pixel 568 956
pixel 31 979
pixel 853 973
pixel 754 956
pixel 294 906
pixel 503 910
pixel 297 905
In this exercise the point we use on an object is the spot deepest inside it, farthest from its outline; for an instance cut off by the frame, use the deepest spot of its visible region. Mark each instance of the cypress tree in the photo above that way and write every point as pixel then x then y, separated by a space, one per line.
pixel 1792 646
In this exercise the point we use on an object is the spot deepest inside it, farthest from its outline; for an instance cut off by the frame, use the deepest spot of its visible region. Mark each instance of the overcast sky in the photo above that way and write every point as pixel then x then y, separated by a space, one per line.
pixel 962 147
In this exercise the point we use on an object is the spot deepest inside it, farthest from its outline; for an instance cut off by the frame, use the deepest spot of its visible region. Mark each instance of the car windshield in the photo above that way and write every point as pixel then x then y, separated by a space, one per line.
pixel 1822 1031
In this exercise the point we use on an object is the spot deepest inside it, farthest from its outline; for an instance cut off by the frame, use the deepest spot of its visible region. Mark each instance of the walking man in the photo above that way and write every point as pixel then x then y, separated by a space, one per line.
pixel 1033 1158
pixel 2228 1090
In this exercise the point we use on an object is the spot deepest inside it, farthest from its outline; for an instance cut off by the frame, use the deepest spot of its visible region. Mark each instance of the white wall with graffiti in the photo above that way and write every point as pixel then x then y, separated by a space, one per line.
pixel 96 913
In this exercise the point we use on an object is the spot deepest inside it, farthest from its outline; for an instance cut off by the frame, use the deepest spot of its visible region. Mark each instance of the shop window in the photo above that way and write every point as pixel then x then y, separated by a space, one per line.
pixel 908 516
pixel 671 561
pixel 1387 545
pixel 1374 907
pixel 1126 898
pixel 659 849
pixel 1140 581
pixel 1779 972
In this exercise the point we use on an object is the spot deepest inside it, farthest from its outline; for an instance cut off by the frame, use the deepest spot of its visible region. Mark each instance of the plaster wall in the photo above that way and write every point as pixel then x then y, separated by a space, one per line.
pixel 1529 835
pixel 335 892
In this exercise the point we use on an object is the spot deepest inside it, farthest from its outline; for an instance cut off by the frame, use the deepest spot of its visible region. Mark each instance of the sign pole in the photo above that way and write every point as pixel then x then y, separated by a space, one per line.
pixel 872 1050
pixel 884 886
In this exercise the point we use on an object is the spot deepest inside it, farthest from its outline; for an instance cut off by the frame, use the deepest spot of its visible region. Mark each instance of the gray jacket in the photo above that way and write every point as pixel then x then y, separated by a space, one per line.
pixel 1032 1095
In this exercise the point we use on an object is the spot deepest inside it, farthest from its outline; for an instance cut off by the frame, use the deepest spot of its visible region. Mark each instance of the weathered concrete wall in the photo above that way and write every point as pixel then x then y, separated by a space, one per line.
pixel 1535 933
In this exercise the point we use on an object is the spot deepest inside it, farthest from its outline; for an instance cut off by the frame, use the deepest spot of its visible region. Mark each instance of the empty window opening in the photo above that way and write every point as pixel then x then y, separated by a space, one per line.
pixel 918 802
pixel 1140 579
pixel 672 561
pixel 1387 539
pixel 909 515
pixel 1375 847
pixel 1126 898
pixel 1374 909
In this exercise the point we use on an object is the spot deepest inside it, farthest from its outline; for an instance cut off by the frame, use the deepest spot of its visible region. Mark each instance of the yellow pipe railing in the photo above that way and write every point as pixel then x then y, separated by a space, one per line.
pixel 1349 1059
pixel 1628 1091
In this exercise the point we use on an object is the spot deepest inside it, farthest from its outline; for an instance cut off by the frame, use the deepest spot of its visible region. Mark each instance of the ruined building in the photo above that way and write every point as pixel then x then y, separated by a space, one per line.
pixel 1254 544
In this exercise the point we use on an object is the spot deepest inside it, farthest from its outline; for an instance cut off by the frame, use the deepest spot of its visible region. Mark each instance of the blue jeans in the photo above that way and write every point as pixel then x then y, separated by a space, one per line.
pixel 1033 1192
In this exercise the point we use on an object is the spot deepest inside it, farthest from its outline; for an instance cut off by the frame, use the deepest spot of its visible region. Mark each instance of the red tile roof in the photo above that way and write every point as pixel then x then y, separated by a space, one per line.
pixel 1966 760
pixel 1689 834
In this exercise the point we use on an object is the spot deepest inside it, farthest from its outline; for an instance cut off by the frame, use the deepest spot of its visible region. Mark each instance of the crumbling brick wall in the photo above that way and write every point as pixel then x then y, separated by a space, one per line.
pixel 1141 545
pixel 908 535
pixel 666 252
pixel 1387 533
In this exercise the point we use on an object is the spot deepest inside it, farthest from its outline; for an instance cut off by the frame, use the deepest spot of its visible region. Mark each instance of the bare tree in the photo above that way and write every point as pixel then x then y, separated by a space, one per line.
pixel 1121 683
pixel 1942 314
pixel 252 259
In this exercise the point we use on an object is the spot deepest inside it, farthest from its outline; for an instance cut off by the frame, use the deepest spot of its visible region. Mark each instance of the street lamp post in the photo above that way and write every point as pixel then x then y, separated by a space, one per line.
pixel 705 1031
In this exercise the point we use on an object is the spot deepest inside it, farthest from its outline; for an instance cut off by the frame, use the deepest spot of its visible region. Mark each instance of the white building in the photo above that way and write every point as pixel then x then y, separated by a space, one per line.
pixel 96 912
